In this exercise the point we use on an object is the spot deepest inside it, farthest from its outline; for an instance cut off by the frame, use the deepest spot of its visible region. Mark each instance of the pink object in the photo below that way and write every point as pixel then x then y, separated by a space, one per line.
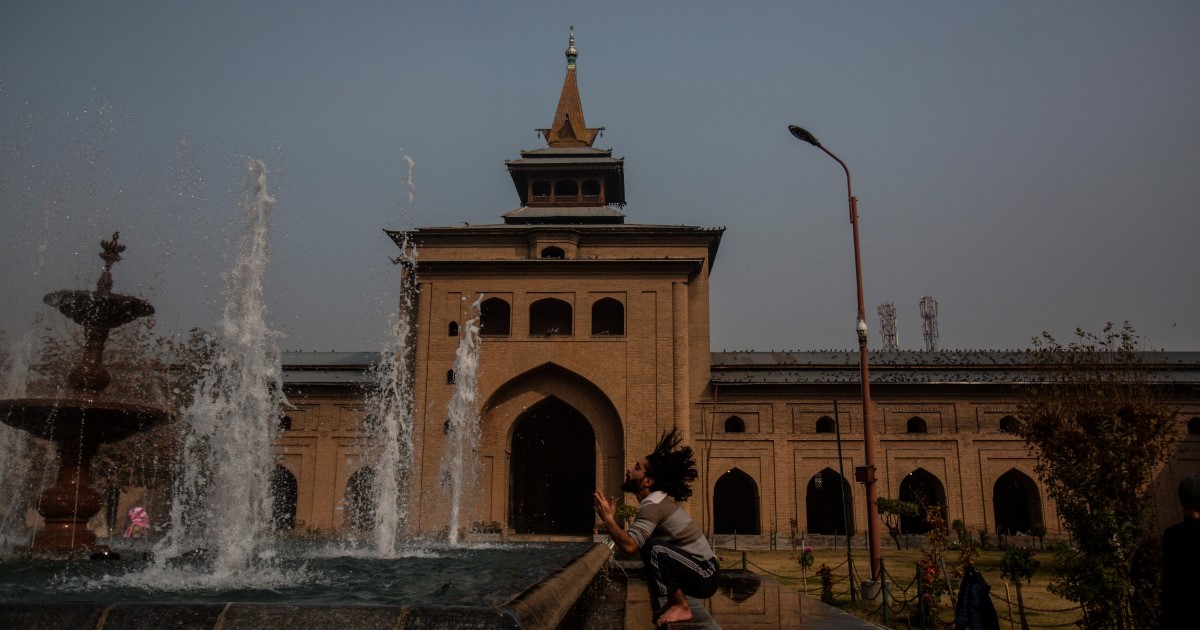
pixel 137 518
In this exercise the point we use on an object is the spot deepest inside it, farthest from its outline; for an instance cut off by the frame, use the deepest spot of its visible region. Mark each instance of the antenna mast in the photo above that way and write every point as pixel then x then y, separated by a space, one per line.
pixel 887 327
pixel 929 322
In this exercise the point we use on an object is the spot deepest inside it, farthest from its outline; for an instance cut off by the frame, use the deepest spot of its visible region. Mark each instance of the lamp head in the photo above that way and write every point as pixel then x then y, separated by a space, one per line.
pixel 861 329
pixel 803 134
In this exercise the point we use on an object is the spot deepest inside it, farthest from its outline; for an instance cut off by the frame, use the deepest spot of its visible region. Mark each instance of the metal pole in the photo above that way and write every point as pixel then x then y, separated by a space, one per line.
pixel 864 370
pixel 837 429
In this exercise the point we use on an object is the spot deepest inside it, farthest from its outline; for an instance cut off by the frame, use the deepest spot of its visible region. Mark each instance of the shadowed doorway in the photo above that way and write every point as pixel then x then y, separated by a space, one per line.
pixel 823 503
pixel 923 488
pixel 735 504
pixel 1016 503
pixel 553 471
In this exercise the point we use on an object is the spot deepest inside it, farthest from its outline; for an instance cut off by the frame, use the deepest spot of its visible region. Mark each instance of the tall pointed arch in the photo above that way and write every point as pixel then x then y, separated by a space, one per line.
pixel 824 498
pixel 922 487
pixel 1016 503
pixel 555 405
pixel 735 504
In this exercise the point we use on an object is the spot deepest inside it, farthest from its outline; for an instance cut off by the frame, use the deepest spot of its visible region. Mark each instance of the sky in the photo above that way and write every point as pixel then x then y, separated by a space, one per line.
pixel 1033 166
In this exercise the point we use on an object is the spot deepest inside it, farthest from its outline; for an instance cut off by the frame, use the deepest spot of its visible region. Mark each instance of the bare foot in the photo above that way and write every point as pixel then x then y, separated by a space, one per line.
pixel 677 612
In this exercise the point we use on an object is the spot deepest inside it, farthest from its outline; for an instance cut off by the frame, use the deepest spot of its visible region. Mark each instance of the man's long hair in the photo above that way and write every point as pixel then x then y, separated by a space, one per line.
pixel 673 469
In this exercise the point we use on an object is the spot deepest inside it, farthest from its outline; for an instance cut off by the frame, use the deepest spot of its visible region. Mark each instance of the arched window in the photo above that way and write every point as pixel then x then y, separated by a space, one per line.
pixel 452 329
pixel 565 188
pixel 285 423
pixel 494 317
pixel 824 424
pixel 916 424
pixel 449 377
pixel 923 488
pixel 541 190
pixel 283 498
pixel 549 316
pixel 735 504
pixel 553 253
pixel 608 317
pixel 1015 503
pixel 359 495
pixel 1009 424
pixel 734 424
pixel 1194 426
pixel 827 493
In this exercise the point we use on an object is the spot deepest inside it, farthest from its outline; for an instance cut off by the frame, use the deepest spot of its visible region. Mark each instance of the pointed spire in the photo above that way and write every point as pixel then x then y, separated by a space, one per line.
pixel 568 128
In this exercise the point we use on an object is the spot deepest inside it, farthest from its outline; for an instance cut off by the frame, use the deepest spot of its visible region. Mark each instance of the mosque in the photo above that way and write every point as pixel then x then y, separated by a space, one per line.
pixel 595 339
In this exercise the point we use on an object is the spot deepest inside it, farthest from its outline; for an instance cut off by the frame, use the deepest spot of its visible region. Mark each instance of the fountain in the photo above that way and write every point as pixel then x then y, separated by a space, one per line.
pixel 214 569
pixel 463 429
pixel 78 424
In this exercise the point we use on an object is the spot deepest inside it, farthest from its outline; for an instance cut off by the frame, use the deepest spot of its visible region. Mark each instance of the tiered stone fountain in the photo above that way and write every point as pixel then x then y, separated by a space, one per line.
pixel 80 421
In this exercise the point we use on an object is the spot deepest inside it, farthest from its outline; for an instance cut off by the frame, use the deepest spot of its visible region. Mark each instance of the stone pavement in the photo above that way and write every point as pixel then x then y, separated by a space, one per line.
pixel 745 600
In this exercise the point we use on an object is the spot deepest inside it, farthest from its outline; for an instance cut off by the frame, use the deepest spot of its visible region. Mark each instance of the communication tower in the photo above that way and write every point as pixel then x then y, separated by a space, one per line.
pixel 929 322
pixel 887 327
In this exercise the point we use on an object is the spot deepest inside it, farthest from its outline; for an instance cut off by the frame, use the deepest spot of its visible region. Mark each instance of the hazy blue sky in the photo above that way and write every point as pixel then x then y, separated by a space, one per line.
pixel 1032 165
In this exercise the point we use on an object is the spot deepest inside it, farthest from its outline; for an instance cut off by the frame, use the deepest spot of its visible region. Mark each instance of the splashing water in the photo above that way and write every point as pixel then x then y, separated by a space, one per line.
pixel 15 475
pixel 459 462
pixel 389 403
pixel 223 498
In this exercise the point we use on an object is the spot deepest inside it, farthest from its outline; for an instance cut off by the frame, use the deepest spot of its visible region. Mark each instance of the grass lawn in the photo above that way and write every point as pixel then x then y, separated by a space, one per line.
pixel 1042 607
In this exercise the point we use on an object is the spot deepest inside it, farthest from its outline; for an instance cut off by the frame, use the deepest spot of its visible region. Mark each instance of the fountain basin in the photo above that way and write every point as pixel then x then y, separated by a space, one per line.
pixel 74 419
pixel 480 586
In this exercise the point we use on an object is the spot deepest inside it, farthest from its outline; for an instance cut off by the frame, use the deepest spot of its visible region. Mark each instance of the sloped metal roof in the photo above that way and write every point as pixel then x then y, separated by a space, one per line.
pixel 952 367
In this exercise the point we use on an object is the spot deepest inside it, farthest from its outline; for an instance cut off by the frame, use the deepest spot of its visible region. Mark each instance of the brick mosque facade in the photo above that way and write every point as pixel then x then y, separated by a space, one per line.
pixel 595 340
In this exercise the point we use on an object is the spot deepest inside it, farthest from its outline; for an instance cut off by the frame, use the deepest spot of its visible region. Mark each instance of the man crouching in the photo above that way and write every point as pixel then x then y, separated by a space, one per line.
pixel 674 550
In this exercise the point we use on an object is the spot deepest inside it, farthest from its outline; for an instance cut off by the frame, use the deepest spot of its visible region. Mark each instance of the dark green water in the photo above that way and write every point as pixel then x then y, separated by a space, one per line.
pixel 478 575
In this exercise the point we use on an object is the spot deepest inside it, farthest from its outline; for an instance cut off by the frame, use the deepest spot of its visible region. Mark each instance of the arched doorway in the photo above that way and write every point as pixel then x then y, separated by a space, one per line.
pixel 735 504
pixel 923 488
pixel 553 471
pixel 1016 503
pixel 360 499
pixel 283 498
pixel 823 503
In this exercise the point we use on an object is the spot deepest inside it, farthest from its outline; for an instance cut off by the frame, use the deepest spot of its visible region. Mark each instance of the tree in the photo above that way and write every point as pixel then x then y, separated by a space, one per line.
pixel 1100 429
pixel 1016 565
pixel 892 510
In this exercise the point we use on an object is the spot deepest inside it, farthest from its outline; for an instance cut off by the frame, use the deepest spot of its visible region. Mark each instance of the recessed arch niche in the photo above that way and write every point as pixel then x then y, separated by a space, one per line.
pixel 1016 503
pixel 553 391
pixel 922 487
pixel 823 501
pixel 735 504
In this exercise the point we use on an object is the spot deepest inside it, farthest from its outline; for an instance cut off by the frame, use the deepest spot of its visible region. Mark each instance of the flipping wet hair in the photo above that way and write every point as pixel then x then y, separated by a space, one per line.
pixel 673 469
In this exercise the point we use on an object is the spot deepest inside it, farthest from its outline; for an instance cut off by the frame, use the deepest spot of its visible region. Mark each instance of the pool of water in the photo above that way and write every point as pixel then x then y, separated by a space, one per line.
pixel 485 574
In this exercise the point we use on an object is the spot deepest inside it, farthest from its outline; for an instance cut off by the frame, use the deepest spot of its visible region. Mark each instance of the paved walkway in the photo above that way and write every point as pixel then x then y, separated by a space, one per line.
pixel 745 600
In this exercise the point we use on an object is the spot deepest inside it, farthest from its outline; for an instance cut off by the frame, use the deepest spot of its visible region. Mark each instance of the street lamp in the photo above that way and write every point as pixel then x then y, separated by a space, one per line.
pixel 866 474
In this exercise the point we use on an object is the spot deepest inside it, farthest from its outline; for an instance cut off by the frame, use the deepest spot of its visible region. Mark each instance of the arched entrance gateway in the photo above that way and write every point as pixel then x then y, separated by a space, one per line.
pixel 553 470
pixel 550 438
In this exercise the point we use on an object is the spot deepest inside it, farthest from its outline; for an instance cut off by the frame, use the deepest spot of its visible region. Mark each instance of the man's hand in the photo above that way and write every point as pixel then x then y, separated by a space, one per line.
pixel 606 509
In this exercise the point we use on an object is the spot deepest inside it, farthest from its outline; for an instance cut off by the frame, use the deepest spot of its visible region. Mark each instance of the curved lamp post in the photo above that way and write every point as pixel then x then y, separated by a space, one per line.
pixel 864 474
